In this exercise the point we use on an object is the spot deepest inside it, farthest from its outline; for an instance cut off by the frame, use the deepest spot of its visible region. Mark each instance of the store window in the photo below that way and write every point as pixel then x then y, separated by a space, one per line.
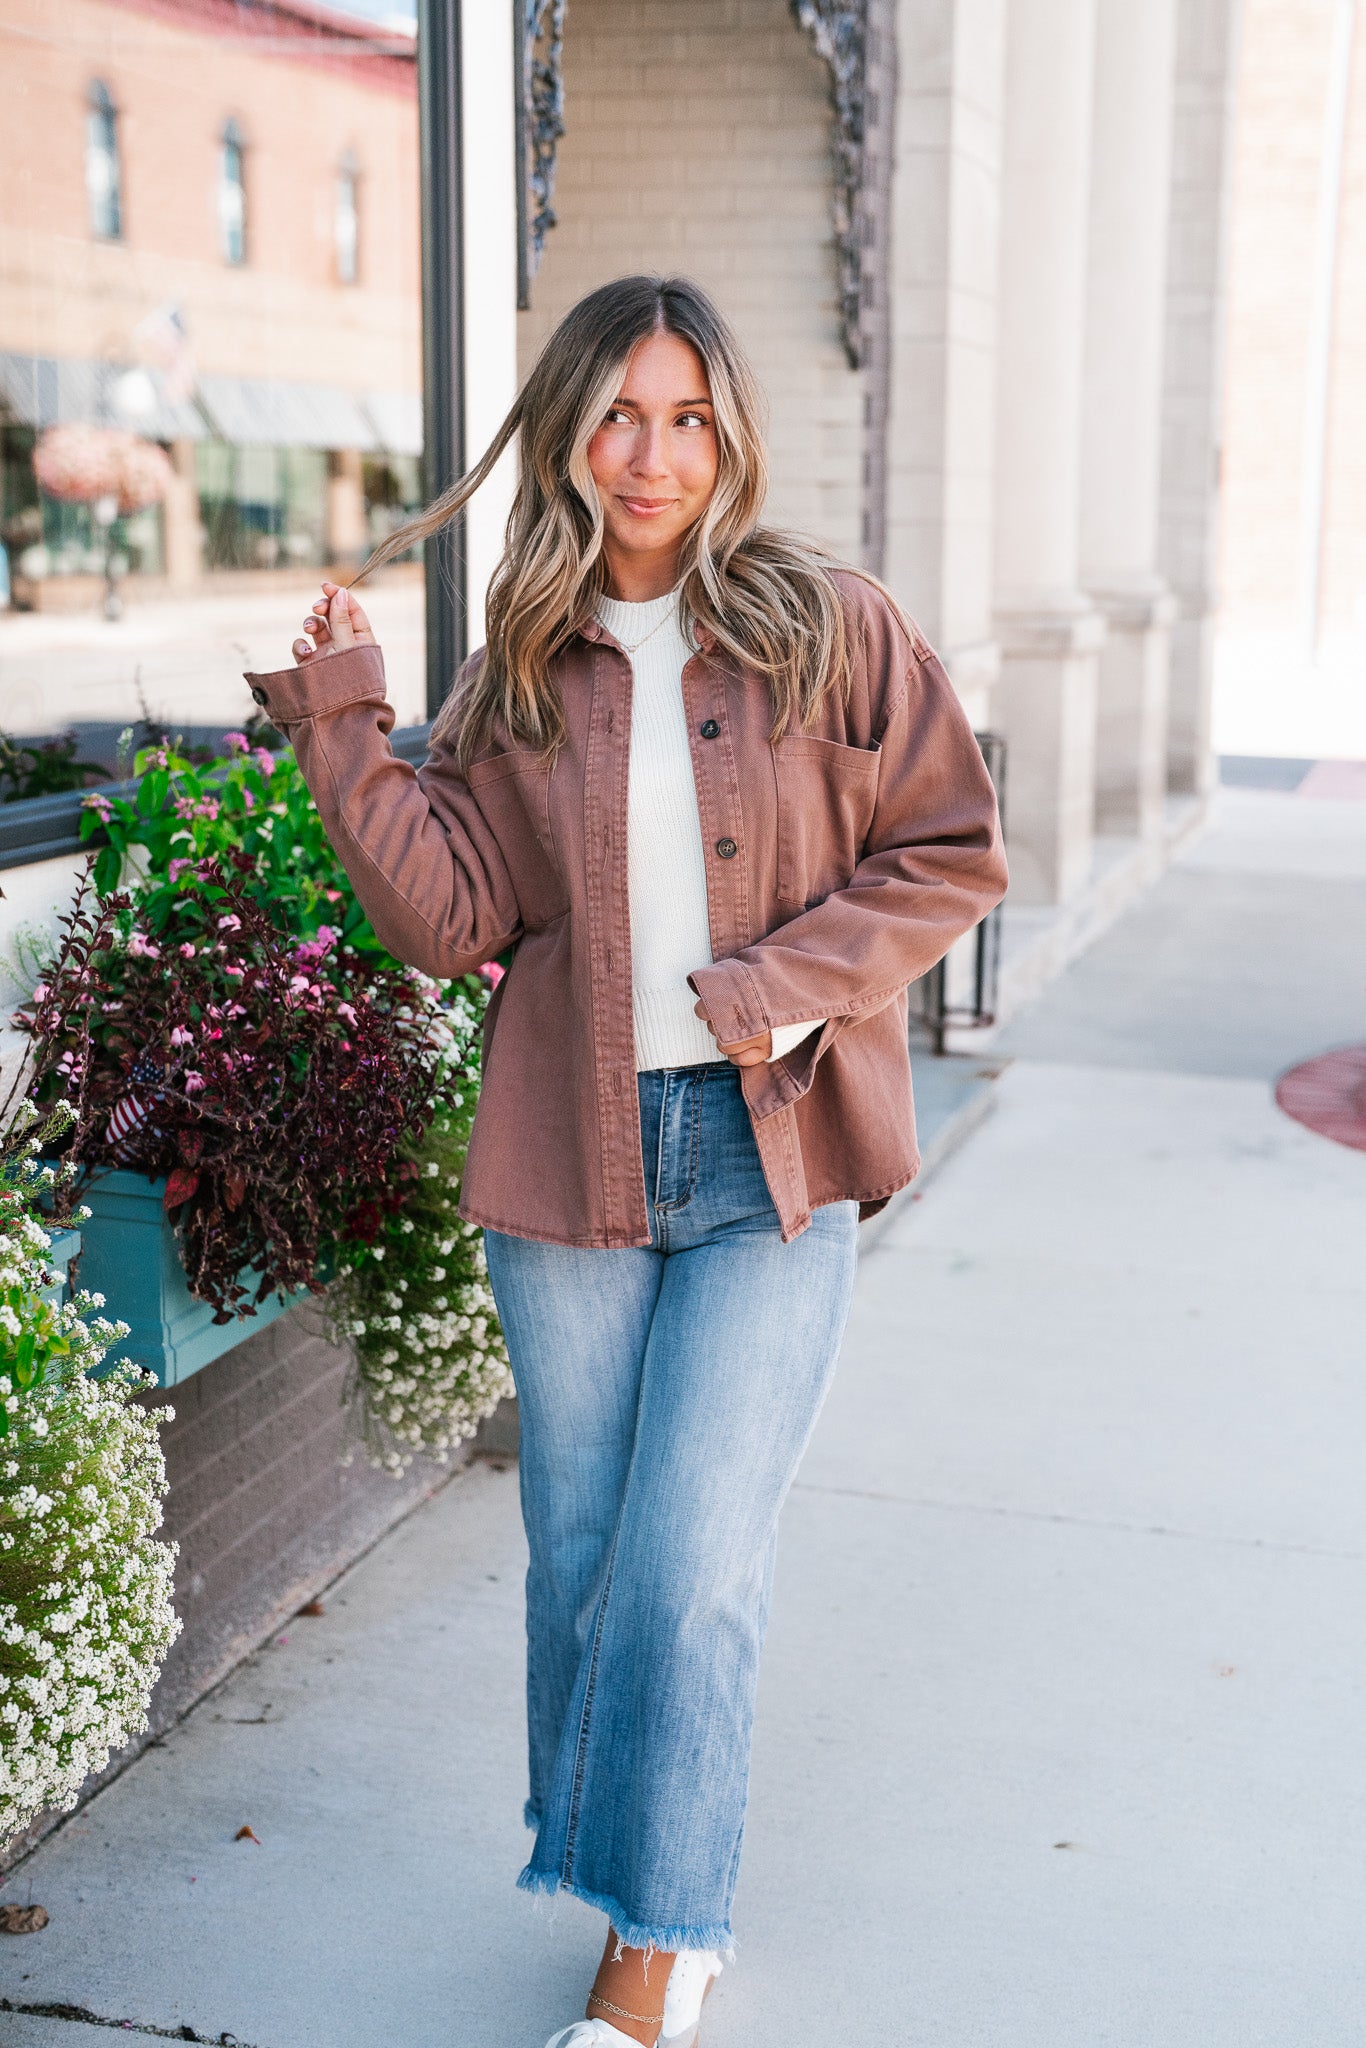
pixel 103 179
pixel 232 196
pixel 346 220
pixel 186 446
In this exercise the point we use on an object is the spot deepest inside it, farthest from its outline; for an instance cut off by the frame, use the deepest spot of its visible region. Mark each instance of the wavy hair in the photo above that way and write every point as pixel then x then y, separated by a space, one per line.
pixel 767 596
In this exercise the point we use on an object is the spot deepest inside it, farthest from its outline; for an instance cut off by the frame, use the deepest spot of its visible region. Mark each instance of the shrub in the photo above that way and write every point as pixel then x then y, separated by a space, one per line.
pixel 415 1300
pixel 275 1084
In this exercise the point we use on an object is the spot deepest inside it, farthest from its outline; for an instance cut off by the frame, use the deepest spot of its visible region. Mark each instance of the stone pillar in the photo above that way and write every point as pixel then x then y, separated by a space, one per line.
pixel 347 534
pixel 1122 404
pixel 182 532
pixel 1050 632
pixel 946 196
pixel 1192 410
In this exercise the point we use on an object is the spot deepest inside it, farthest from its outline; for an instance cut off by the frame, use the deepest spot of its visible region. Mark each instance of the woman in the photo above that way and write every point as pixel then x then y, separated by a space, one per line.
pixel 723 801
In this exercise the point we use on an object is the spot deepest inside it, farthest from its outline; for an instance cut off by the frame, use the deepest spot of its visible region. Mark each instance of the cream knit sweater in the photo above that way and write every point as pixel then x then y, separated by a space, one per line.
pixel 666 868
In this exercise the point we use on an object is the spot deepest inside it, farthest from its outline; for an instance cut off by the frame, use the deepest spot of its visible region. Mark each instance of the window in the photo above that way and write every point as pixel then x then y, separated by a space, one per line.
pixel 232 196
pixel 194 374
pixel 346 219
pixel 103 185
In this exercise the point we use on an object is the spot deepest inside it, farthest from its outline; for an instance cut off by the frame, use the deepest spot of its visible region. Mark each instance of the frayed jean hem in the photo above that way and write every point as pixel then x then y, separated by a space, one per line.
pixel 634 1933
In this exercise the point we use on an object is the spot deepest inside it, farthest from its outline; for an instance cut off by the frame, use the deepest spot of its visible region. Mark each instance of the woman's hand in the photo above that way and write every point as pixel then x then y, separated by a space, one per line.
pixel 335 623
pixel 743 1052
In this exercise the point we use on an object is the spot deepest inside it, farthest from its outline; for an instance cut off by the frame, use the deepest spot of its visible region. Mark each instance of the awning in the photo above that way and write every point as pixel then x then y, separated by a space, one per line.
pixel 50 391
pixel 266 412
pixel 397 417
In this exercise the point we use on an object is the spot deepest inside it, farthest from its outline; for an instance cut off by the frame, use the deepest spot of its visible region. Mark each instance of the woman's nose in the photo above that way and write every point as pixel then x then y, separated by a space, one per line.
pixel 648 458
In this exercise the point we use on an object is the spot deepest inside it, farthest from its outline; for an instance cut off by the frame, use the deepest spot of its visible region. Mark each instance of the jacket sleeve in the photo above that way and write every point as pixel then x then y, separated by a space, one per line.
pixel 933 865
pixel 420 855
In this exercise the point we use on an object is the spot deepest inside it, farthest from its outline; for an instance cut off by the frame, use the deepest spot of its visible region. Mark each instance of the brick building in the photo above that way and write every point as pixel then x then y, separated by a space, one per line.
pixel 209 233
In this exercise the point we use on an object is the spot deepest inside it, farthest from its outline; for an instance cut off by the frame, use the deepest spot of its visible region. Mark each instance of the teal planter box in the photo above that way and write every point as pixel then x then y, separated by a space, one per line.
pixel 64 1247
pixel 130 1256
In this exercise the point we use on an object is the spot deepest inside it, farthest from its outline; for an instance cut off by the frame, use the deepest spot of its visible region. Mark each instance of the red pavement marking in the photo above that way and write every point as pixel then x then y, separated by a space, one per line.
pixel 1335 779
pixel 1328 1095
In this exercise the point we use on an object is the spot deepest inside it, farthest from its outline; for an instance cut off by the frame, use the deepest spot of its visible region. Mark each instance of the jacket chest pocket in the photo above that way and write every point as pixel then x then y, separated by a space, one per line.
pixel 826 796
pixel 513 792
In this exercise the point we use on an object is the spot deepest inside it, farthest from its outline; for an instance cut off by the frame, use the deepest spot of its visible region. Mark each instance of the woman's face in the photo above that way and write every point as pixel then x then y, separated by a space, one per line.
pixel 654 459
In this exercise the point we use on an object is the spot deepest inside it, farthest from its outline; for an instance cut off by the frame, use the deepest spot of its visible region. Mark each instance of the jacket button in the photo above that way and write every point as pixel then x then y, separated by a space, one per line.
pixel 258 693
pixel 726 848
pixel 709 729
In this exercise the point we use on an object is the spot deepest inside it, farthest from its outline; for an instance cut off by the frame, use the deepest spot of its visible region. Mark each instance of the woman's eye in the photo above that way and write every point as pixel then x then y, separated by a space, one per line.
pixel 693 419
pixel 616 417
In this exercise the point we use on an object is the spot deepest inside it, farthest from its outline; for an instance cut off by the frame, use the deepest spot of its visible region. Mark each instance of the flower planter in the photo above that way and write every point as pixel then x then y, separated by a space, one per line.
pixel 64 1247
pixel 130 1256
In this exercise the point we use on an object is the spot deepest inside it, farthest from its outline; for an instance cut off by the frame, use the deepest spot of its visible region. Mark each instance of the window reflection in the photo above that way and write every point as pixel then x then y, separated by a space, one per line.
pixel 103 185
pixel 214 305
pixel 347 219
pixel 232 197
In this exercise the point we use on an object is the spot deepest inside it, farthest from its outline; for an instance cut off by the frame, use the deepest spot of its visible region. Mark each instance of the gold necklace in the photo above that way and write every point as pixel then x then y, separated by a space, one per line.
pixel 634 646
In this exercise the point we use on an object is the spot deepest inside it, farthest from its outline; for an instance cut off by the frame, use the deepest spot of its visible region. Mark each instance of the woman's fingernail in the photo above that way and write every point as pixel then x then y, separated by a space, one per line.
pixel 302 647
pixel 343 599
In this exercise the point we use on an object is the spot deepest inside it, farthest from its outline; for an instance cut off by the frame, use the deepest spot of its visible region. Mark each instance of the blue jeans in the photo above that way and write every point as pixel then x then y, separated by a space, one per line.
pixel 666 1397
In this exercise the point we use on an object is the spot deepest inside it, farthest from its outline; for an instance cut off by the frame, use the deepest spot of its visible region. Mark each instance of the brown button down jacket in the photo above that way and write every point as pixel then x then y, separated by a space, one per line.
pixel 841 864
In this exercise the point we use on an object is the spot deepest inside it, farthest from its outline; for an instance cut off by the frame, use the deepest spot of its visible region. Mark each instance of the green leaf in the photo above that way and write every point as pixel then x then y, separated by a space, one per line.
pixel 152 792
pixel 108 868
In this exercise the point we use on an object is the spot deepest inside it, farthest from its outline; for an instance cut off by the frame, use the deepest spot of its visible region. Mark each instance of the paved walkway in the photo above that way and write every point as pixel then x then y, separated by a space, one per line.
pixel 1060 1733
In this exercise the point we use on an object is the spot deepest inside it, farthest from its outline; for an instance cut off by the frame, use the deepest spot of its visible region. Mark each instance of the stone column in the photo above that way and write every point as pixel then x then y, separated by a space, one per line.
pixel 346 530
pixel 1122 404
pixel 1192 411
pixel 946 196
pixel 1050 632
pixel 181 530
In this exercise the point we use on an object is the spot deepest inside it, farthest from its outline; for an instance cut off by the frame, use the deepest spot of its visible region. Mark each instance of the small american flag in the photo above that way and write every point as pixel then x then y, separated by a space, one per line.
pixel 132 1110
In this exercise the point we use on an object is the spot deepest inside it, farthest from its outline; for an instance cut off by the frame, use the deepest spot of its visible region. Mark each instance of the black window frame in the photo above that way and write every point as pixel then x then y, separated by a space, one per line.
pixel 48 827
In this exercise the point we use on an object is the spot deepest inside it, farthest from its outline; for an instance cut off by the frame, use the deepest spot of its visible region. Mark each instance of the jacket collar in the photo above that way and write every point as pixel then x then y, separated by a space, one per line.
pixel 592 629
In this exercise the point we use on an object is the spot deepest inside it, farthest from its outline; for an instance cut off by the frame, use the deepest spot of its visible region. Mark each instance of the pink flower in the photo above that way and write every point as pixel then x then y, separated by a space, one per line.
pixel 40 992
pixel 265 761
pixel 176 869
pixel 180 1036
pixel 142 947
pixel 194 1083
pixel 236 742
pixel 248 800
pixel 345 1010
pixel 186 951
pixel 229 923
pixel 492 972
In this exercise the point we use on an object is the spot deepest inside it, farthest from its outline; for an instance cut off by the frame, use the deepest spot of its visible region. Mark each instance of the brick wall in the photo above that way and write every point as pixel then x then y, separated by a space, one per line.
pixel 698 139
pixel 260 1502
pixel 176 74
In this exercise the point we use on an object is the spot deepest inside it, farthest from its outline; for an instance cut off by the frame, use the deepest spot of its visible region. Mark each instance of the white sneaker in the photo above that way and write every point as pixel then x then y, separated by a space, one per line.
pixel 694 1972
pixel 591 2034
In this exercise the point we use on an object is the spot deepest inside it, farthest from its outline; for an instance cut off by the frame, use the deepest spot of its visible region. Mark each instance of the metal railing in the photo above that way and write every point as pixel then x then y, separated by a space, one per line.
pixel 937 1012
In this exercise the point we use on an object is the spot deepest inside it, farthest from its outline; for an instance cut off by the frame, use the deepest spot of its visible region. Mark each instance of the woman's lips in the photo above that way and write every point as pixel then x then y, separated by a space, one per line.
pixel 644 508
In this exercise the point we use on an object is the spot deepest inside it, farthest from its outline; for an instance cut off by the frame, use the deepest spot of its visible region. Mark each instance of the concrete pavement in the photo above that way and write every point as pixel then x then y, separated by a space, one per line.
pixel 1060 1729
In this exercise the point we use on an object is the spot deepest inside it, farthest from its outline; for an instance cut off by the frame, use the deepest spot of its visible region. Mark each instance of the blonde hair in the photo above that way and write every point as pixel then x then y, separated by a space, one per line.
pixel 768 597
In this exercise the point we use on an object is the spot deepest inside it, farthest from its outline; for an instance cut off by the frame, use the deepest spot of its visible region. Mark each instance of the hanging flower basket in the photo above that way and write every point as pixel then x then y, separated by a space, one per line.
pixel 80 465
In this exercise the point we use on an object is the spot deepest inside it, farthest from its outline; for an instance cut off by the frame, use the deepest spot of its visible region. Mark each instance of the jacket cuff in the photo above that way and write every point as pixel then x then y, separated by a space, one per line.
pixel 290 695
pixel 733 1004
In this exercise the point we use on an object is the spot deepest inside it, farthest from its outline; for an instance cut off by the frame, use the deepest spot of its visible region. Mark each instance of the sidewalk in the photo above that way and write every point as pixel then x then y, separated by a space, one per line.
pixel 1060 1731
